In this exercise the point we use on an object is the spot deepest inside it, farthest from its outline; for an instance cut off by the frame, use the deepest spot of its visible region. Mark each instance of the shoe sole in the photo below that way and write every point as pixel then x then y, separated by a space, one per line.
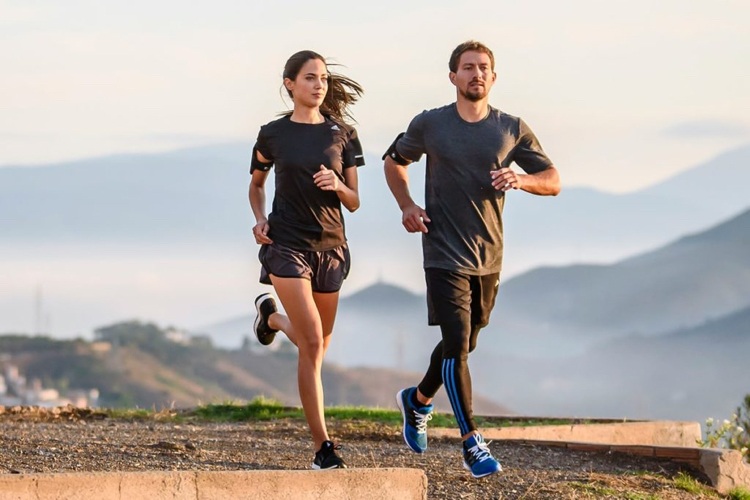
pixel 400 403
pixel 468 468
pixel 318 467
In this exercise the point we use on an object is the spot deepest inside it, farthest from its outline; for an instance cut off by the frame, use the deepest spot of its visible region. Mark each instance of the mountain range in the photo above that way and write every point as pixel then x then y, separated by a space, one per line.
pixel 199 195
pixel 686 374
pixel 598 288
pixel 694 279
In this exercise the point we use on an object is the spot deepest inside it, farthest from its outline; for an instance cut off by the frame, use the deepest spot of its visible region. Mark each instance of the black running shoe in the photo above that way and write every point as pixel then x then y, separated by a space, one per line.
pixel 265 304
pixel 326 457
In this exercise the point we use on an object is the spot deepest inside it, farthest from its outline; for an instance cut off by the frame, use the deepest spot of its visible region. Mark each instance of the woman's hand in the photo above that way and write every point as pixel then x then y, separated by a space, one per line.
pixel 260 231
pixel 326 179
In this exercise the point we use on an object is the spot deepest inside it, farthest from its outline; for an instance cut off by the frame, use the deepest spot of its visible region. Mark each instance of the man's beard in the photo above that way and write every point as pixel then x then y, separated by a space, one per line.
pixel 475 95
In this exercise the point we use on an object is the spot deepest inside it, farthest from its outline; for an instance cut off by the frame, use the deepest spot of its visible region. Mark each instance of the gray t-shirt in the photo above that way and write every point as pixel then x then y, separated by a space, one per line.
pixel 466 228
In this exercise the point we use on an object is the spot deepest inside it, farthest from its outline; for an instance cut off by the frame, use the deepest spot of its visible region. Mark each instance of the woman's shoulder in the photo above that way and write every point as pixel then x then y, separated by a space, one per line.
pixel 278 124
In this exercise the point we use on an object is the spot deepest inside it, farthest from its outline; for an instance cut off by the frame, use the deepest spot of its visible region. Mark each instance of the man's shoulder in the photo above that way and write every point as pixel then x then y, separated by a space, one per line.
pixel 503 116
pixel 434 116
pixel 448 109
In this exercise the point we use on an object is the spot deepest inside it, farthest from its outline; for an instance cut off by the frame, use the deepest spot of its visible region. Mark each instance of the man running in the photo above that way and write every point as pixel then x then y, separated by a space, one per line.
pixel 470 146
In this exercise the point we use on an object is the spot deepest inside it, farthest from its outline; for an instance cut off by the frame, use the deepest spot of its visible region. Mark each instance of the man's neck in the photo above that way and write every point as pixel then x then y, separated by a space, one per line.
pixel 472 111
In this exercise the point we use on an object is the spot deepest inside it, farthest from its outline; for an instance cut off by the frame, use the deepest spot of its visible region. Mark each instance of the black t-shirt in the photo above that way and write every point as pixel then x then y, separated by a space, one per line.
pixel 303 216
pixel 466 232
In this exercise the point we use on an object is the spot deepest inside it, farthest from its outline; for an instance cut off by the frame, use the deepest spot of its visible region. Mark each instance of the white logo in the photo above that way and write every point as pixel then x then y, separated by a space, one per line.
pixel 335 127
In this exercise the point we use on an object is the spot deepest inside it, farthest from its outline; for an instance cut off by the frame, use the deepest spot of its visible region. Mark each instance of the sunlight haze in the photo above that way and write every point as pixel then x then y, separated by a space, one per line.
pixel 621 94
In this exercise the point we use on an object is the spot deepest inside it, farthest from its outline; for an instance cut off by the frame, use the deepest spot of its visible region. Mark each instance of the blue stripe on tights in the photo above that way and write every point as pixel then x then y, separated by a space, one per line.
pixel 449 380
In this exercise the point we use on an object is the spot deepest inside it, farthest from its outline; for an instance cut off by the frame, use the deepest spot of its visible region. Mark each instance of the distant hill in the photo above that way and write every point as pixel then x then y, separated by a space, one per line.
pixel 691 374
pixel 137 366
pixel 685 283
pixel 585 225
pixel 200 195
pixel 188 194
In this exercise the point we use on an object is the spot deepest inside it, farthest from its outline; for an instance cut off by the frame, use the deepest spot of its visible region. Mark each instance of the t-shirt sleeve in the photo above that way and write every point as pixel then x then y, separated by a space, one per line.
pixel 411 145
pixel 528 153
pixel 353 155
pixel 262 146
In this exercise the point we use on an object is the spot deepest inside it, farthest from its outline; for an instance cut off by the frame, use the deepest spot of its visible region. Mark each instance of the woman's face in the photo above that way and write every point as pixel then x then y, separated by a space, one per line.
pixel 310 86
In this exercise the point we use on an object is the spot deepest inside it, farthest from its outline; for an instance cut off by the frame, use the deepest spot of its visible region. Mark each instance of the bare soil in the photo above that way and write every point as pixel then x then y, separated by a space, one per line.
pixel 74 440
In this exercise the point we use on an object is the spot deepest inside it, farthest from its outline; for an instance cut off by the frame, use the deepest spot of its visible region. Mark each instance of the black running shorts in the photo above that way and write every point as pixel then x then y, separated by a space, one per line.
pixel 326 270
pixel 451 294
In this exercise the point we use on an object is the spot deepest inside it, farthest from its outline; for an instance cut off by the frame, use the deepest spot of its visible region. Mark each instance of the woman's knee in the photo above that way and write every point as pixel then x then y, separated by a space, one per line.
pixel 311 345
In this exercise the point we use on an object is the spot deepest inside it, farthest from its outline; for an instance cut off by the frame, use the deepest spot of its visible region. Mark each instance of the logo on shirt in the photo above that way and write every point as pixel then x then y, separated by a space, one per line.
pixel 335 127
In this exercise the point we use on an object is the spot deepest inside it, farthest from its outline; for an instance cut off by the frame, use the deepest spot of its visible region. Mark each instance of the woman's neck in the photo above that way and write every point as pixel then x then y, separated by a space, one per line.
pixel 307 115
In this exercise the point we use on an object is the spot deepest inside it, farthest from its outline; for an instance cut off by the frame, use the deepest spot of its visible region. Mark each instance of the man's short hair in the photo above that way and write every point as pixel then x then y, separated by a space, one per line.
pixel 470 45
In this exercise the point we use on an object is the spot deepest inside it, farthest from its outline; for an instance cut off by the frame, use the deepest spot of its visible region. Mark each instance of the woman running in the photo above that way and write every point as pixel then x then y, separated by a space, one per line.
pixel 303 252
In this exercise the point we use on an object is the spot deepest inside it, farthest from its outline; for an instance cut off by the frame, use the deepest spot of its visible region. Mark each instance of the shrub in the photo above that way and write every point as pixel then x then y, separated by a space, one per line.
pixel 733 434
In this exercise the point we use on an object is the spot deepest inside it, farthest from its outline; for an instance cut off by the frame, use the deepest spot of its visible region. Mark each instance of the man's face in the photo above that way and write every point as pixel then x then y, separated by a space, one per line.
pixel 474 76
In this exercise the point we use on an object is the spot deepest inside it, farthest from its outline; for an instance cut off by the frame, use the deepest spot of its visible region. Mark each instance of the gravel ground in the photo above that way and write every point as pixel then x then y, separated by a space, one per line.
pixel 85 441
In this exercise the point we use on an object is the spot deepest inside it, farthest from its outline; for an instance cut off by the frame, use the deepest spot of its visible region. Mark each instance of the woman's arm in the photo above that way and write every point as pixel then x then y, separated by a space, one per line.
pixel 257 195
pixel 347 191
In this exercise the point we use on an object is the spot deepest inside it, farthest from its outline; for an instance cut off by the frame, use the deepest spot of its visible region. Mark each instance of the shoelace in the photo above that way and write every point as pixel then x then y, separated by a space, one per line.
pixel 422 420
pixel 480 451
pixel 333 447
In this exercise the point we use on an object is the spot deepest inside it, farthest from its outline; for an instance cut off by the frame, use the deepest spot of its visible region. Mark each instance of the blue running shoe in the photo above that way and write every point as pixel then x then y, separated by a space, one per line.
pixel 415 420
pixel 478 459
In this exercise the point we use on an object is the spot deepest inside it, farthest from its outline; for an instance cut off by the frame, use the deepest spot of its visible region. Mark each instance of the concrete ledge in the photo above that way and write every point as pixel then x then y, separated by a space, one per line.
pixel 676 441
pixel 726 469
pixel 656 433
pixel 365 484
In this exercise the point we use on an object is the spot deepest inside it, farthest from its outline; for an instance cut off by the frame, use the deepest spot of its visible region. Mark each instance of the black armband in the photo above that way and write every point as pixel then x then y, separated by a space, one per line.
pixel 256 164
pixel 393 154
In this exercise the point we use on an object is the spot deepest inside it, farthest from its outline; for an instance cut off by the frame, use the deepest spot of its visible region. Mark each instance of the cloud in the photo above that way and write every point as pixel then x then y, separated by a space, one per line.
pixel 707 129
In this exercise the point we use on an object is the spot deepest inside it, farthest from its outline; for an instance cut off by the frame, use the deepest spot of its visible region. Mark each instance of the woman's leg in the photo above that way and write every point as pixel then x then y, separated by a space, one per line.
pixel 304 326
pixel 327 304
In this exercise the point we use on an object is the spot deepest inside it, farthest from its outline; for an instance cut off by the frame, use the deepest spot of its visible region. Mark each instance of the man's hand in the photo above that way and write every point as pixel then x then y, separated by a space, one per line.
pixel 505 179
pixel 414 218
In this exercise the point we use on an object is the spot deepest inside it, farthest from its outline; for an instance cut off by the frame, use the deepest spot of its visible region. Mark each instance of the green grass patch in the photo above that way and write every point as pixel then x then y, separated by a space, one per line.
pixel 640 496
pixel 688 483
pixel 593 490
pixel 257 409
pixel 739 493
pixel 266 409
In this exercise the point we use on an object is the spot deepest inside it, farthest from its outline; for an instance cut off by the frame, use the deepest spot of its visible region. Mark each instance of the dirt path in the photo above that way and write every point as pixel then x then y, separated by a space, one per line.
pixel 90 443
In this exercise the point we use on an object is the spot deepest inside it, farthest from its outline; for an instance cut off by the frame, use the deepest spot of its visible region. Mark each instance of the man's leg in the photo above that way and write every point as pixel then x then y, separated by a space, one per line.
pixel 449 296
pixel 459 305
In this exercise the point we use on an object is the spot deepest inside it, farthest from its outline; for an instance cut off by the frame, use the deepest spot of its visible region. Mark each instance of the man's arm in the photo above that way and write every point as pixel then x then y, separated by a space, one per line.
pixel 543 183
pixel 413 216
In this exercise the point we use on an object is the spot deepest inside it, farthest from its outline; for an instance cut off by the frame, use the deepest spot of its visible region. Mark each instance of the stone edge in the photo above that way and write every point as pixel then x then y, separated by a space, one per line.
pixel 365 484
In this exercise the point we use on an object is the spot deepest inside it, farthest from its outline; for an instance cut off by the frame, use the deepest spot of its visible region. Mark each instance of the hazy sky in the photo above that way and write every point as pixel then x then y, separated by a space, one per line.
pixel 620 93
